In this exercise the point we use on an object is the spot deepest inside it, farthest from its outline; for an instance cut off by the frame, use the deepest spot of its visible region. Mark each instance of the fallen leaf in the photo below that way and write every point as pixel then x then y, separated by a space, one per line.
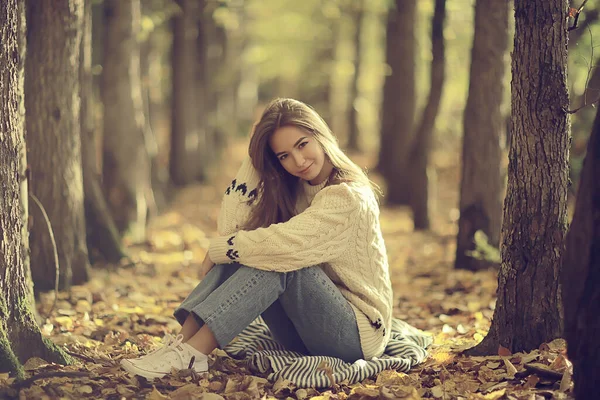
pixel 511 370
pixel 85 389
pixel 156 395
pixel 503 351
pixel 565 382
pixel 531 382
pixel 437 391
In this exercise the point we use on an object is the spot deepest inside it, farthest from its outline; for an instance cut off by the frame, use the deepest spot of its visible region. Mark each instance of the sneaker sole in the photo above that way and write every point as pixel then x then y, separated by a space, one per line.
pixel 130 367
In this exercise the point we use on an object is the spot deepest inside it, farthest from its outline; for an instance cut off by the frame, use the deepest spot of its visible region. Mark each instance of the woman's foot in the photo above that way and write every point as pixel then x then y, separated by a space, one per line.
pixel 167 342
pixel 159 363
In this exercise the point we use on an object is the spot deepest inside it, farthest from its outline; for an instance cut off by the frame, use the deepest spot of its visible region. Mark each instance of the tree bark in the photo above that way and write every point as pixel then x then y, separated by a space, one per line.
pixel 398 99
pixel 53 135
pixel 581 274
pixel 188 124
pixel 535 209
pixel 20 337
pixel 418 159
pixel 126 165
pixel 481 183
pixel 353 131
pixel 101 232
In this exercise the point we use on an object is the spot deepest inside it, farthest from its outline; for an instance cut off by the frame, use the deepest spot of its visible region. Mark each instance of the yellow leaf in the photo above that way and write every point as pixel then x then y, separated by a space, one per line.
pixel 85 389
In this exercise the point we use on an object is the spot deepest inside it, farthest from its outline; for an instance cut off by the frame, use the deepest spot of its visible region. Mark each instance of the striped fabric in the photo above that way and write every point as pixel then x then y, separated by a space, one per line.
pixel 405 349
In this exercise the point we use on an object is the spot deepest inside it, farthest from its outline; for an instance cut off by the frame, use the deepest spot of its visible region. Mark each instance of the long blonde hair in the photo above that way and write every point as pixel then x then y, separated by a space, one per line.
pixel 278 189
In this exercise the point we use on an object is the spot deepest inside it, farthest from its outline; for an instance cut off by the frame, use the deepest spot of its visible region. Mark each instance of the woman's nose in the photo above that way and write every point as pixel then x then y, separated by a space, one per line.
pixel 299 159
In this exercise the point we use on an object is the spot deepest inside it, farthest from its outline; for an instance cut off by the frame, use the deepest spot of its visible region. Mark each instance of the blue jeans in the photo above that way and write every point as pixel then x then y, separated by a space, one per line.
pixel 304 310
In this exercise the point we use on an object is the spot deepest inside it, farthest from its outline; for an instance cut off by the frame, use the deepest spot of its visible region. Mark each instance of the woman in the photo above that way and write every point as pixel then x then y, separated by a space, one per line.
pixel 300 245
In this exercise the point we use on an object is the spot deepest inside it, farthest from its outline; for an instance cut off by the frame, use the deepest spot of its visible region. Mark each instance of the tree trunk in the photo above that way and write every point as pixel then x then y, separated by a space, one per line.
pixel 353 131
pixel 101 232
pixel 126 165
pixel 398 99
pixel 418 158
pixel 54 141
pixel 187 102
pixel 581 274
pixel 535 209
pixel 20 337
pixel 481 182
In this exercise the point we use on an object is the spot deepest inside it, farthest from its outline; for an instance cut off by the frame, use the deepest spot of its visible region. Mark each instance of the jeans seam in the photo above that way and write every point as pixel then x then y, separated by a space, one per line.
pixel 232 299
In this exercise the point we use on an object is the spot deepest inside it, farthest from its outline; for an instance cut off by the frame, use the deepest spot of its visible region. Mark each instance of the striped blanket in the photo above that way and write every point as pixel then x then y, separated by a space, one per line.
pixel 264 355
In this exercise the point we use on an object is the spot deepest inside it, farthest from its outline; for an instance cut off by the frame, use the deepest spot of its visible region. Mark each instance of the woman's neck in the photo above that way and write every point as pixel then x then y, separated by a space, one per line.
pixel 323 175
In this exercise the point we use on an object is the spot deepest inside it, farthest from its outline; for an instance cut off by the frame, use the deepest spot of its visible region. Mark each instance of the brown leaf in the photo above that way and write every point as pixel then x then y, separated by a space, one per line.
pixel 156 395
pixel 572 12
pixel 532 381
pixel 503 351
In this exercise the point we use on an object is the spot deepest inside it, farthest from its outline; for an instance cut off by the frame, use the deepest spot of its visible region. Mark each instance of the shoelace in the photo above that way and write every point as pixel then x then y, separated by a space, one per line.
pixel 169 341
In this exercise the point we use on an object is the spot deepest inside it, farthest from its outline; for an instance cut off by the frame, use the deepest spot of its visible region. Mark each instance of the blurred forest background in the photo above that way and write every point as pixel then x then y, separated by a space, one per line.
pixel 127 120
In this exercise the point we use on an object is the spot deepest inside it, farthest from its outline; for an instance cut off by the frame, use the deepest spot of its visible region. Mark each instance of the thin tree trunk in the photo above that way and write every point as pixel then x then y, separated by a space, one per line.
pixel 481 182
pixel 187 102
pixel 102 234
pixel 126 164
pixel 54 140
pixel 418 159
pixel 398 99
pixel 535 209
pixel 581 274
pixel 353 131
pixel 20 337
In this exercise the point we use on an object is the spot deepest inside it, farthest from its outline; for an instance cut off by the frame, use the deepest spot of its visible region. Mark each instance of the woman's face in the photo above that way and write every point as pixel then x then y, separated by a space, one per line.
pixel 300 154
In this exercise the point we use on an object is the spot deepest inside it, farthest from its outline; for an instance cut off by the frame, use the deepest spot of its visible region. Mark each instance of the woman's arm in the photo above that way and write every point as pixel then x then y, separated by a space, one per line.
pixel 235 206
pixel 319 234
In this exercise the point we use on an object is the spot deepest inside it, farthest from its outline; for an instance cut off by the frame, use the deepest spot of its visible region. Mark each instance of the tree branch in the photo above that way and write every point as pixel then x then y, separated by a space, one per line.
pixel 54 248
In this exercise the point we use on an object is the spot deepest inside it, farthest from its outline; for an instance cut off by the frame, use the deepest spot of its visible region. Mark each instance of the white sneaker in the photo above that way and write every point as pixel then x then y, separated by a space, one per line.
pixel 168 341
pixel 178 355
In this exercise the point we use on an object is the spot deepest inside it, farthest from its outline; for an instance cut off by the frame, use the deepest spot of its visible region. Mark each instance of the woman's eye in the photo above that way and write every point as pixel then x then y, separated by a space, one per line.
pixel 283 157
pixel 302 144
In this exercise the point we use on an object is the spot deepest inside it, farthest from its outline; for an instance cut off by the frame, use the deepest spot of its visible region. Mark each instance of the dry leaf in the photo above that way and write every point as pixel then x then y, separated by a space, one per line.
pixel 156 395
pixel 503 351
pixel 565 382
pixel 438 391
pixel 531 382
pixel 511 370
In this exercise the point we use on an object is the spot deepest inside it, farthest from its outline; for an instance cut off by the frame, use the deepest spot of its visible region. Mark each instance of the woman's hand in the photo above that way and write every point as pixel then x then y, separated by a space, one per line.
pixel 206 266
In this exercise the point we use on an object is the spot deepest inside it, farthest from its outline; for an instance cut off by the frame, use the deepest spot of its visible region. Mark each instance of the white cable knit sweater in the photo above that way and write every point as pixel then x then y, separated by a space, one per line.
pixel 337 226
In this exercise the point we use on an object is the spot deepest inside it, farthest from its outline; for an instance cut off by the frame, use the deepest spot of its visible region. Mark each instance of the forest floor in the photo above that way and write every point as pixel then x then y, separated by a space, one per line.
pixel 127 308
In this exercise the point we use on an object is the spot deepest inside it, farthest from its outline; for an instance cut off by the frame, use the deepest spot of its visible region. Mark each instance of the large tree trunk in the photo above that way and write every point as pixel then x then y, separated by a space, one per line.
pixel 126 165
pixel 535 209
pixel 102 234
pixel 581 274
pixel 481 183
pixel 188 125
pixel 398 99
pixel 418 158
pixel 353 131
pixel 54 141
pixel 20 337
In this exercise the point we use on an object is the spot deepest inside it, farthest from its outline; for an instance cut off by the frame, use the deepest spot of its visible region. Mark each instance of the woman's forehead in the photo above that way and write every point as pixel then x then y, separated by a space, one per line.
pixel 286 137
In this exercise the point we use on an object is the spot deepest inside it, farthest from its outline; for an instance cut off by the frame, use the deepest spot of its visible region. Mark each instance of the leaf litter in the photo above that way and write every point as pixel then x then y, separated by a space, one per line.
pixel 125 310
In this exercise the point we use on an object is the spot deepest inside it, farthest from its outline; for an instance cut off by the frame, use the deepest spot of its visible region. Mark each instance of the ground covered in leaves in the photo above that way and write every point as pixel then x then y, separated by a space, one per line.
pixel 126 309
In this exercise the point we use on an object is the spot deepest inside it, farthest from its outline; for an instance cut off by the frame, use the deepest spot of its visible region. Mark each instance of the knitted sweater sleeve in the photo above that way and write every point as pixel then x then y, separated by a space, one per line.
pixel 237 200
pixel 319 234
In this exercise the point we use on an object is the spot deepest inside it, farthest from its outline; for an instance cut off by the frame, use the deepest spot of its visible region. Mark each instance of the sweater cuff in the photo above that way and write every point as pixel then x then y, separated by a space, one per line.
pixel 221 250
